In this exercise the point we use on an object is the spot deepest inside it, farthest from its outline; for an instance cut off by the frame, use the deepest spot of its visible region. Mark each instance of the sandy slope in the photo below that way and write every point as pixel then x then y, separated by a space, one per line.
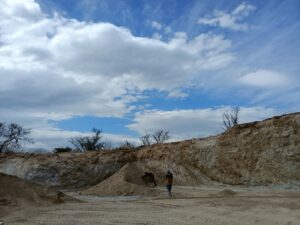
pixel 200 206
pixel 127 181
pixel 16 194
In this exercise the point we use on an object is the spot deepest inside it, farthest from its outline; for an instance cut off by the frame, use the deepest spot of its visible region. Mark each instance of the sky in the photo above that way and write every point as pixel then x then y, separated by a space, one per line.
pixel 129 67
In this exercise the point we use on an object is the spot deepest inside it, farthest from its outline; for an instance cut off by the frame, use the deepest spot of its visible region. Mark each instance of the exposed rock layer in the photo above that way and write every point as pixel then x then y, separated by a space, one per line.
pixel 258 153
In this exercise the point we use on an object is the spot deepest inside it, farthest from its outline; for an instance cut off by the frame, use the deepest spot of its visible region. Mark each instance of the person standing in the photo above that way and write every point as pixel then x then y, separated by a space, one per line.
pixel 169 182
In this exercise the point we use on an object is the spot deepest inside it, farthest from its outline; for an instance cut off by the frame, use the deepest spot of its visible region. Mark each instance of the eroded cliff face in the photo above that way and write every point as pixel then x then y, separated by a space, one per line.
pixel 259 153
pixel 65 169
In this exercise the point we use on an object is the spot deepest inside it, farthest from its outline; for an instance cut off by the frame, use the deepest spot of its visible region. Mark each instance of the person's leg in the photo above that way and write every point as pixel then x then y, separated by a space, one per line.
pixel 169 190
pixel 154 181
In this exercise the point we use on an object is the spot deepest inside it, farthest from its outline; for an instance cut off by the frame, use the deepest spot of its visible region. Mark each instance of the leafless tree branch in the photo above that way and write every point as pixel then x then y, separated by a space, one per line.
pixel 12 135
pixel 88 143
pixel 231 118
pixel 161 136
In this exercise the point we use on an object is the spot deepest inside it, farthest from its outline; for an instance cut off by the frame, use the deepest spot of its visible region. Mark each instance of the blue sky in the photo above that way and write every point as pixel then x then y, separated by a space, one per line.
pixel 130 67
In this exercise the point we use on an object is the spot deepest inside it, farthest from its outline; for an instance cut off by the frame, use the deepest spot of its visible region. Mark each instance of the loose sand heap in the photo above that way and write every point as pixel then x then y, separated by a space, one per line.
pixel 227 192
pixel 127 181
pixel 16 193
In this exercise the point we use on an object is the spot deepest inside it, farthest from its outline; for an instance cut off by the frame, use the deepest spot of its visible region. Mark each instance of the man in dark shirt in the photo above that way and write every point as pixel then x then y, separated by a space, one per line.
pixel 169 182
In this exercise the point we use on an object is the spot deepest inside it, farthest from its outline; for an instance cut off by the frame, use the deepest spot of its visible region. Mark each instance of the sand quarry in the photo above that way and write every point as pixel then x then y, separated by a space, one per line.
pixel 124 198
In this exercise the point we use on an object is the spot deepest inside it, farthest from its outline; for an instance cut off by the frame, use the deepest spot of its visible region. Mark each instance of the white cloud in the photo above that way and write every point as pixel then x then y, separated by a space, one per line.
pixel 112 52
pixel 54 68
pixel 157 36
pixel 191 123
pixel 162 30
pixel 230 20
pixel 264 79
pixel 58 68
pixel 168 30
pixel 177 94
pixel 156 25
pixel 49 138
pixel 19 10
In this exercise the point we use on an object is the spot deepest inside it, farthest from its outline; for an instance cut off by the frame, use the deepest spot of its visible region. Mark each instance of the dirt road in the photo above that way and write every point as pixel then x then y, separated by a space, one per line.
pixel 199 206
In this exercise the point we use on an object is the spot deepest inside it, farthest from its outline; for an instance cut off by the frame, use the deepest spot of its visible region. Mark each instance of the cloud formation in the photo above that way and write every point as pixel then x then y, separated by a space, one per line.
pixel 156 25
pixel 59 66
pixel 50 138
pixel 183 124
pixel 54 68
pixel 229 20
pixel 264 79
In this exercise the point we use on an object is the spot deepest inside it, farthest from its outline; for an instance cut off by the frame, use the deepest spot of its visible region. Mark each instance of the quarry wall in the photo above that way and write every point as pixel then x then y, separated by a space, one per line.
pixel 258 153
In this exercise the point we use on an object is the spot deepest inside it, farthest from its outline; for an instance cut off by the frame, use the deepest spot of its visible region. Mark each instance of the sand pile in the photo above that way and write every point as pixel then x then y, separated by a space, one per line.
pixel 127 181
pixel 18 193
pixel 227 192
pixel 15 192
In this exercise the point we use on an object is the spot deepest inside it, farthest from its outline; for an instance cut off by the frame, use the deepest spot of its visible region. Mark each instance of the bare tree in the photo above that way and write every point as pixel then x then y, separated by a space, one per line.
pixel 88 143
pixel 161 136
pixel 107 145
pixel 126 144
pixel 12 136
pixel 231 118
pixel 146 139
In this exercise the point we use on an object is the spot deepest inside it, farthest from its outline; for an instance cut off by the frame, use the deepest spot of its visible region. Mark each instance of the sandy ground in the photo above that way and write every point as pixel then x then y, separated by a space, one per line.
pixel 189 205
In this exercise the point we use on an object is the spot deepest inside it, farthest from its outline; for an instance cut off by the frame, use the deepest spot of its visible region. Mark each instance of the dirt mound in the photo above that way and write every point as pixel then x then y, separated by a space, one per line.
pixel 127 181
pixel 16 192
pixel 227 192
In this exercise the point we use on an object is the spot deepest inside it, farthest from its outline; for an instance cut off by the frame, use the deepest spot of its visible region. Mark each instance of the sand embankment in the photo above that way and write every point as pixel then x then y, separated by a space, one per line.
pixel 17 194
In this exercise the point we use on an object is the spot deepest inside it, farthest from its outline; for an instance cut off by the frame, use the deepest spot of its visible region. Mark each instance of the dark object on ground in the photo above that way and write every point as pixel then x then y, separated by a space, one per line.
pixel 149 178
pixel 59 150
pixel 227 192
pixel 59 198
